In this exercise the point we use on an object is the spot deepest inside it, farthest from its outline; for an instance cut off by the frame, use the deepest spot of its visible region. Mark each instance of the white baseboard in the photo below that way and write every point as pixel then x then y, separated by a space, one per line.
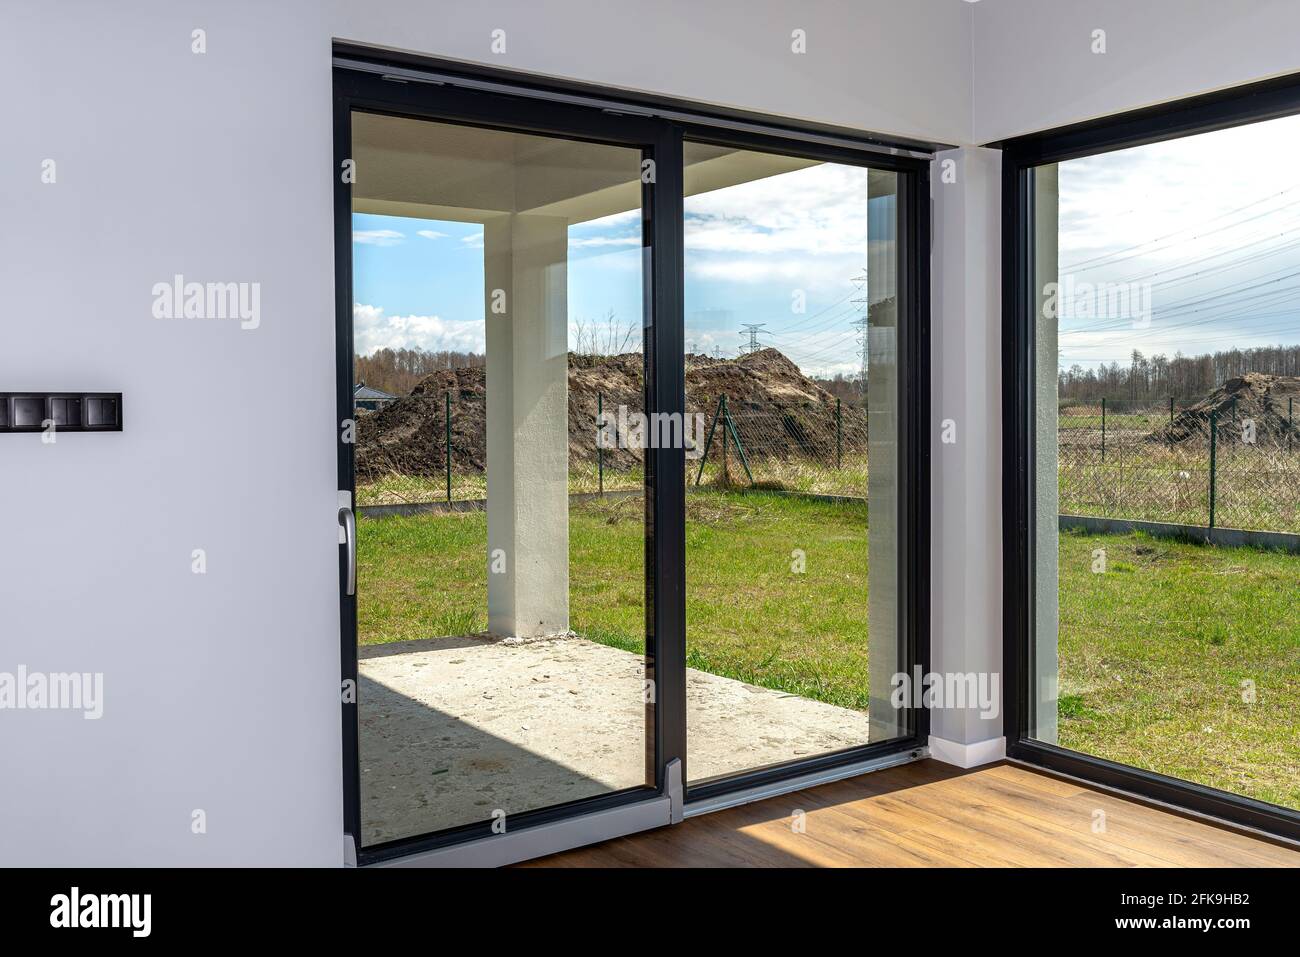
pixel 968 755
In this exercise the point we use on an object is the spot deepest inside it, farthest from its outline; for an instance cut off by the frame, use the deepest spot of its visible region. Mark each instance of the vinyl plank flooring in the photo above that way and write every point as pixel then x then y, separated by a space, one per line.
pixel 928 814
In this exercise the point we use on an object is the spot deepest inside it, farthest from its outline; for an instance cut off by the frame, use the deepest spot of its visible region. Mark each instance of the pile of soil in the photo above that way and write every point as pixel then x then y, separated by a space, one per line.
pixel 407 436
pixel 779 412
pixel 1265 399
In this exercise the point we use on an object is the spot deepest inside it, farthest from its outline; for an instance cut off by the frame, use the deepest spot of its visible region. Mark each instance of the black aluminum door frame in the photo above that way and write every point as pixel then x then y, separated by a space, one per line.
pixel 664 392
pixel 1241 106
pixel 664 350
pixel 913 283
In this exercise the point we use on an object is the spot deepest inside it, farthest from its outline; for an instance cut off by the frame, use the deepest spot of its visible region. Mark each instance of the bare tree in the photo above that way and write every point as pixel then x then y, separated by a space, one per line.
pixel 605 336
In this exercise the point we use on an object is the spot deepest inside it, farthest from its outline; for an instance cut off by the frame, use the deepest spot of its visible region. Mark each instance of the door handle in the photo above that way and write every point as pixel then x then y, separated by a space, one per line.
pixel 349 523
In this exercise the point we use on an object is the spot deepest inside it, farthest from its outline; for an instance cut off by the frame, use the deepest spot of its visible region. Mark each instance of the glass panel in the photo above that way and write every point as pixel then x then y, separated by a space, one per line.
pixel 501 619
pixel 792 379
pixel 1168 375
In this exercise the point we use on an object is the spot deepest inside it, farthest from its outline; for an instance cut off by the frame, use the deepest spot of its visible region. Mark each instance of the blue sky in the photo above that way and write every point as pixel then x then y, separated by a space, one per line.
pixel 1211 223
pixel 751 249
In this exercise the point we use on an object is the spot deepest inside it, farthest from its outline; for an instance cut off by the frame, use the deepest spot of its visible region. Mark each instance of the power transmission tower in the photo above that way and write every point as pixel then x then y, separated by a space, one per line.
pixel 861 325
pixel 860 283
pixel 863 304
pixel 753 328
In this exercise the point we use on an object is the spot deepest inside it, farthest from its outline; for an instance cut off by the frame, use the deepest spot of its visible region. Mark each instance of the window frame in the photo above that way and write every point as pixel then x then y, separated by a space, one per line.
pixel 1239 106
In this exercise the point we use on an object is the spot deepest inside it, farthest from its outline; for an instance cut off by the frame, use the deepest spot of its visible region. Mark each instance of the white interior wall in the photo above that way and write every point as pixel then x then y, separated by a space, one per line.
pixel 1034 69
pixel 221 689
pixel 897 68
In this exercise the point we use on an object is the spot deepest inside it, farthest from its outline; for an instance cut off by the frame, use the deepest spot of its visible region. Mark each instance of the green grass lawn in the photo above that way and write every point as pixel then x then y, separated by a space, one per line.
pixel 394 489
pixel 1153 652
pixel 749 615
pixel 794 474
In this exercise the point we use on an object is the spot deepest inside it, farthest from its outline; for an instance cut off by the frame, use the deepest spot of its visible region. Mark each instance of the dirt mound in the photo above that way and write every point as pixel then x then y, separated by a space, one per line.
pixel 1268 401
pixel 759 381
pixel 408 436
pixel 778 412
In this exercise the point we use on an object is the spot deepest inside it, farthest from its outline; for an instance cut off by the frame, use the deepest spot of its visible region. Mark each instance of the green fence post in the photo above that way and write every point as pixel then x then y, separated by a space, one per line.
pixel 1171 423
pixel 447 404
pixel 839 435
pixel 1289 425
pixel 730 423
pixel 726 477
pixel 1103 428
pixel 600 449
pixel 708 441
pixel 1214 441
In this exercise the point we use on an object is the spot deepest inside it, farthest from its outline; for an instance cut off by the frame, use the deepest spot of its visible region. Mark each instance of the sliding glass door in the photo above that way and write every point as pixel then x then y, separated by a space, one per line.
pixel 629 438
pixel 498 312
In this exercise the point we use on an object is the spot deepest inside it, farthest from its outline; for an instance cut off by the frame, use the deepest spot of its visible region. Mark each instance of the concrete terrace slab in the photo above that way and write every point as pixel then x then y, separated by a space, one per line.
pixel 453 729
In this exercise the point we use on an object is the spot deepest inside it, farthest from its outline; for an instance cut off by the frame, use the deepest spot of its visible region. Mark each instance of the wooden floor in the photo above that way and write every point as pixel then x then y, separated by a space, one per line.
pixel 929 814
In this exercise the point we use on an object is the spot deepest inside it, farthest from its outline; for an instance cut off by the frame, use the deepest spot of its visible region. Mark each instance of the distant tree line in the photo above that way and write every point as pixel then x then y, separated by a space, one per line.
pixel 1182 376
pixel 848 389
pixel 399 370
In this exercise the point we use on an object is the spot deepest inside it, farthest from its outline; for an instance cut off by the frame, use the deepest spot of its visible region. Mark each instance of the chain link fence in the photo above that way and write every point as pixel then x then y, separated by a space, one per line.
pixel 426 449
pixel 1233 463
pixel 1221 462
pixel 813 449
pixel 432 448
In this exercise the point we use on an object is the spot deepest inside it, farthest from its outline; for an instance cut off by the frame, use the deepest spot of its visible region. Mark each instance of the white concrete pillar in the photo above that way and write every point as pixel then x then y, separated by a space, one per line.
pixel 526 271
pixel 966 472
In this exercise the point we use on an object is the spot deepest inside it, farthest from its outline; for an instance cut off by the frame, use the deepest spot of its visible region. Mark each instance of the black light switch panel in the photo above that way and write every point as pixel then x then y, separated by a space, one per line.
pixel 68 411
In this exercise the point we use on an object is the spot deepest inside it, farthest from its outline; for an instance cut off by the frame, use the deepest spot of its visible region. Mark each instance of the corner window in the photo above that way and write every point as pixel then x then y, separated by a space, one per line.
pixel 1160 334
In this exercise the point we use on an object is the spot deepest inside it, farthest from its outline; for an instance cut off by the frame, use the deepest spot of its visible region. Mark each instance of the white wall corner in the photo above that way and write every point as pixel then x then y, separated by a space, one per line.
pixel 968 755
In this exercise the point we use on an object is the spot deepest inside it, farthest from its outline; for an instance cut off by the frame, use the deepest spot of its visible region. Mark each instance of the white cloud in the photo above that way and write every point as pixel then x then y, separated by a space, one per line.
pixel 431 234
pixel 372 330
pixel 808 225
pixel 582 242
pixel 473 240
pixel 377 237
pixel 1216 238
pixel 810 272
